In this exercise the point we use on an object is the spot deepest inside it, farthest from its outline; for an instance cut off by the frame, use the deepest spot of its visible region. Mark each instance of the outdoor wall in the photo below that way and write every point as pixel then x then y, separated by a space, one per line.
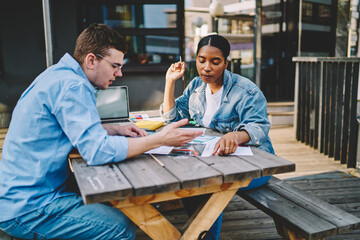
pixel 22 46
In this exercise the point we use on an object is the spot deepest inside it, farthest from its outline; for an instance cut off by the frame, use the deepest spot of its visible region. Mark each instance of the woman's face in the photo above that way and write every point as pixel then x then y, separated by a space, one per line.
pixel 210 64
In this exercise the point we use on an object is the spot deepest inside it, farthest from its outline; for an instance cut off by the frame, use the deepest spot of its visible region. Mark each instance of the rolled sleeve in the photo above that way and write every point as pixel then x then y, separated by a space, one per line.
pixel 77 114
pixel 169 116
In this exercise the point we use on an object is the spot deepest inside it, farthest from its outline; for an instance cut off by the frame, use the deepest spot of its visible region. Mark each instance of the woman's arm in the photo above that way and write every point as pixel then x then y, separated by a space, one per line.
pixel 175 71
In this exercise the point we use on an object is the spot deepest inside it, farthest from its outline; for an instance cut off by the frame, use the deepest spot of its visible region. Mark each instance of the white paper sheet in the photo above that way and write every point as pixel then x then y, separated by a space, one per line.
pixel 194 129
pixel 240 150
pixel 160 150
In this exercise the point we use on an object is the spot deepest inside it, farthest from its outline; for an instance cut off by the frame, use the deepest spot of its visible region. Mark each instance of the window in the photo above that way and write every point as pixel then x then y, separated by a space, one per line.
pixel 154 30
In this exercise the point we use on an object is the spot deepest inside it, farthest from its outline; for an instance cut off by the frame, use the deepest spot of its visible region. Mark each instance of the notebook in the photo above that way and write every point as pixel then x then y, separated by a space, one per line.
pixel 113 104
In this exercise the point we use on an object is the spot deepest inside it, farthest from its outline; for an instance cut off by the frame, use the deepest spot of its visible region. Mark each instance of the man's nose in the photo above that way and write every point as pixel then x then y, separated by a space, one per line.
pixel 118 73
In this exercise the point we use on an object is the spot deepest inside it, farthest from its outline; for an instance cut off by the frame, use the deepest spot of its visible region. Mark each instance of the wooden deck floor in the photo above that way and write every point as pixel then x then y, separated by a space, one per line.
pixel 315 173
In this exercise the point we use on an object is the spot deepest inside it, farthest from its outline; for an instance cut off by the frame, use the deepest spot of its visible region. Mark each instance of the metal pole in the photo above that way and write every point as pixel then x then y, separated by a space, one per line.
pixel 300 28
pixel 257 43
pixel 47 33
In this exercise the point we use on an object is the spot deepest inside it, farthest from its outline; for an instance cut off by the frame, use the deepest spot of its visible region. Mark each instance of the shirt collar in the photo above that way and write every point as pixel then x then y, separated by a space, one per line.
pixel 68 60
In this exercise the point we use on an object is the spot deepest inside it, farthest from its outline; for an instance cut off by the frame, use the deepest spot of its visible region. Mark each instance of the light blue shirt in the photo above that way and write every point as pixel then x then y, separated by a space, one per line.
pixel 243 107
pixel 55 113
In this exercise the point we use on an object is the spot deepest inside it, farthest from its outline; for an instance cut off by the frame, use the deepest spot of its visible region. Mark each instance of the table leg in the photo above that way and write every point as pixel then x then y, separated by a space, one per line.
pixel 205 216
pixel 152 222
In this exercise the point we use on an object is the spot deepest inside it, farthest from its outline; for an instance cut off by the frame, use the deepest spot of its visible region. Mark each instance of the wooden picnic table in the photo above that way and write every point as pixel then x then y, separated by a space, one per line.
pixel 134 184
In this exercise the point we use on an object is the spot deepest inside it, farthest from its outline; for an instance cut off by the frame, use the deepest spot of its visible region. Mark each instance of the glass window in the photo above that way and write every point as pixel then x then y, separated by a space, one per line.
pixel 152 49
pixel 150 29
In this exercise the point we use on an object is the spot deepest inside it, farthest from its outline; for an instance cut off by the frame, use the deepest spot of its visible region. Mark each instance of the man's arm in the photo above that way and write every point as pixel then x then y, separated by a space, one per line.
pixel 171 135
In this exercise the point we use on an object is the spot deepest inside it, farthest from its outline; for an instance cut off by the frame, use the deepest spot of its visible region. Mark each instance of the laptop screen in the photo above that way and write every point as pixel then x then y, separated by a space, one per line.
pixel 113 103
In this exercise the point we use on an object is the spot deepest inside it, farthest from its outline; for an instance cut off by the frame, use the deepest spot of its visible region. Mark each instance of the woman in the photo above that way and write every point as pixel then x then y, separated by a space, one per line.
pixel 220 100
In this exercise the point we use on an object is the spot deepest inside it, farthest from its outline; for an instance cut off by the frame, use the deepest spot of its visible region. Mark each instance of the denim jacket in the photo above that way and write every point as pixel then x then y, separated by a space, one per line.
pixel 243 107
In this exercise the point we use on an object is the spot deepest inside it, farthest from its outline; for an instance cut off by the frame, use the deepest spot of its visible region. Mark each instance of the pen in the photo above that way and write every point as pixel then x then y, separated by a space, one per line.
pixel 157 160
pixel 183 75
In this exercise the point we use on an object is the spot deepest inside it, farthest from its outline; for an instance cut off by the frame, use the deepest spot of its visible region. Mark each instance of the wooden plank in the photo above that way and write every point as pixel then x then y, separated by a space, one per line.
pixel 100 183
pixel 154 178
pixel 152 222
pixel 346 119
pixel 353 134
pixel 333 99
pixel 190 171
pixel 268 163
pixel 182 193
pixel 308 94
pixel 232 168
pixel 289 214
pixel 301 103
pixel 343 220
pixel 339 113
pixel 325 110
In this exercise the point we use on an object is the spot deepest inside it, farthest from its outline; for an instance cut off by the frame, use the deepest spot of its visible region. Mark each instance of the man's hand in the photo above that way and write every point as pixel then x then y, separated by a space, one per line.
pixel 130 130
pixel 229 142
pixel 172 135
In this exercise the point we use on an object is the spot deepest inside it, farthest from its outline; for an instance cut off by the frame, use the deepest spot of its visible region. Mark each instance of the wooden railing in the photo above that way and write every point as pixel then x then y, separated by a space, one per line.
pixel 326 91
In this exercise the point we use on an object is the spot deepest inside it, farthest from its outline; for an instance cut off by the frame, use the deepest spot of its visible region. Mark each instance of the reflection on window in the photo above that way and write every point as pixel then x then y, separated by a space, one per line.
pixel 152 49
pixel 150 29
pixel 324 14
pixel 134 16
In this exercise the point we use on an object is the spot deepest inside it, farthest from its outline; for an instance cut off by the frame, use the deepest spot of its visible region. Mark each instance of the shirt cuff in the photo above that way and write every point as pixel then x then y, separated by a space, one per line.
pixel 254 140
pixel 122 148
pixel 169 116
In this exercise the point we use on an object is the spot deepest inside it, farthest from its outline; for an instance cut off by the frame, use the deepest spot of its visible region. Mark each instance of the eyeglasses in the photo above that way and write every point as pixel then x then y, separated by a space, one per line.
pixel 114 65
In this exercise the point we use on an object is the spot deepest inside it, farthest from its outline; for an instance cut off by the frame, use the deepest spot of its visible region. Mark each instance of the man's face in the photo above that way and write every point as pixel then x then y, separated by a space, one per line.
pixel 107 68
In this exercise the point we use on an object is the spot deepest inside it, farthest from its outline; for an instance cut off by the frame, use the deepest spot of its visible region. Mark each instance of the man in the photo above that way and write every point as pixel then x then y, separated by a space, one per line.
pixel 56 113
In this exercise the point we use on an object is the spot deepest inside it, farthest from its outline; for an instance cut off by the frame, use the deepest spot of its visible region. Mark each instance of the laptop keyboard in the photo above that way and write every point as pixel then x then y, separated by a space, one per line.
pixel 115 121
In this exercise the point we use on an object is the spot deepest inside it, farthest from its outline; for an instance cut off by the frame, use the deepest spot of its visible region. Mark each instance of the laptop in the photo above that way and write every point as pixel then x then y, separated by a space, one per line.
pixel 113 104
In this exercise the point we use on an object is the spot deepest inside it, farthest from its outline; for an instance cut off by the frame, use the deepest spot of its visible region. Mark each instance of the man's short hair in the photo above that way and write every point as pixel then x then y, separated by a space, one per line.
pixel 97 39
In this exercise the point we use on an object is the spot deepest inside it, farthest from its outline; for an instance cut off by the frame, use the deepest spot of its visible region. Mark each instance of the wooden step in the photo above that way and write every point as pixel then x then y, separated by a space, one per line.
pixel 281 118
pixel 274 107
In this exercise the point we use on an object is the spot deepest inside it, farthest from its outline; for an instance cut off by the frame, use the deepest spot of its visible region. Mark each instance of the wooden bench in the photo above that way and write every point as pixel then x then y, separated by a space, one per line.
pixel 298 215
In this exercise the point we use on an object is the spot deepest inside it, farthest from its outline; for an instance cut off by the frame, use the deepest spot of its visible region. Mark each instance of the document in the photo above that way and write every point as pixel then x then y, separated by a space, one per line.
pixel 210 145
pixel 160 150
pixel 201 146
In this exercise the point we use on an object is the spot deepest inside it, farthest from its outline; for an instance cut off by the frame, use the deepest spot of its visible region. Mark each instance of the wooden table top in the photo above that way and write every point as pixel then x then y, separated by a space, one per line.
pixel 142 175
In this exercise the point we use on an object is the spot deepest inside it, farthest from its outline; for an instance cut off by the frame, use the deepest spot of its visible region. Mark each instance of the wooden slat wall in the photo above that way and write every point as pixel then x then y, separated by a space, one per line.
pixel 326 106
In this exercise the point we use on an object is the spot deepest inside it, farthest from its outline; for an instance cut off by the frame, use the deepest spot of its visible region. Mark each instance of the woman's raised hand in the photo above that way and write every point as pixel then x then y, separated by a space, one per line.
pixel 175 71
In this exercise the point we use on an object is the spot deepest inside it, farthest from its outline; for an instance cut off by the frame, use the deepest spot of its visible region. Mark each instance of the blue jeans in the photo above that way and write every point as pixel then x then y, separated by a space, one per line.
pixel 69 218
pixel 192 203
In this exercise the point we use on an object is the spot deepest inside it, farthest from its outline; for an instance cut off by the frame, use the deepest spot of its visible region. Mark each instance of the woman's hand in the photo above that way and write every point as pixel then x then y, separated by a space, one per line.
pixel 175 71
pixel 229 142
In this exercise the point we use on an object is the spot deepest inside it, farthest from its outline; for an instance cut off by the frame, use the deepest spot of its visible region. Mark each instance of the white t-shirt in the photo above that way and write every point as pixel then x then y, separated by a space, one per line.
pixel 212 104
